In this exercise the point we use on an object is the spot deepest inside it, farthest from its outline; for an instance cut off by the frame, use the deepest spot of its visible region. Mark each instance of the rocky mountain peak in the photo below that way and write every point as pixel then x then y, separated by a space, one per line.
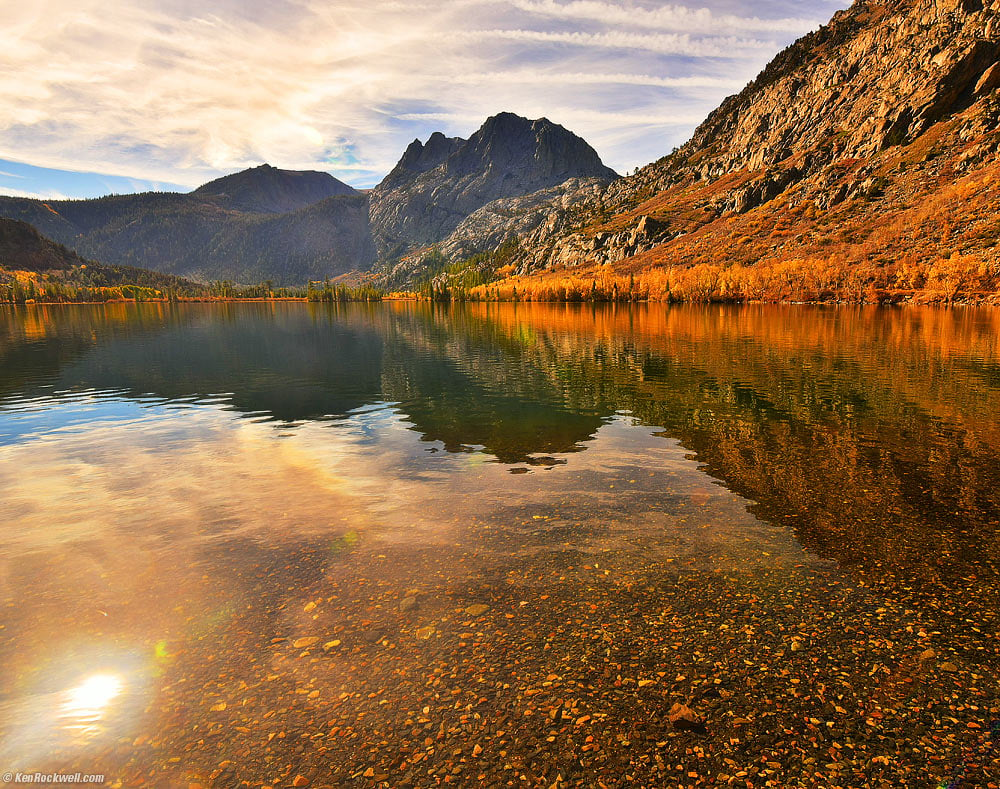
pixel 542 150
pixel 420 157
pixel 438 184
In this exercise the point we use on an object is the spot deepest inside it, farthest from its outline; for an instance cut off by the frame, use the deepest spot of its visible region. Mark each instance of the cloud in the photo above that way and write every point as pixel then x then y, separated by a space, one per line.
pixel 48 194
pixel 571 117
pixel 669 17
pixel 174 92
pixel 663 43
pixel 537 76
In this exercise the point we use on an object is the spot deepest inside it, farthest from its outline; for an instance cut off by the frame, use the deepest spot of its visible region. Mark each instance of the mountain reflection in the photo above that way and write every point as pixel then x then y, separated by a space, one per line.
pixel 872 432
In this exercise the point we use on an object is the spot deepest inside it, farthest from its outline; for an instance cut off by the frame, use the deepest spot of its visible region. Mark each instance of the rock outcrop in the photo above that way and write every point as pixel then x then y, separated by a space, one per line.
pixel 499 220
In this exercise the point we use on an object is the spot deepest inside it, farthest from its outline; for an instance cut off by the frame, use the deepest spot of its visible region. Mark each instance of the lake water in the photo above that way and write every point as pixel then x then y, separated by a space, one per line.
pixel 408 545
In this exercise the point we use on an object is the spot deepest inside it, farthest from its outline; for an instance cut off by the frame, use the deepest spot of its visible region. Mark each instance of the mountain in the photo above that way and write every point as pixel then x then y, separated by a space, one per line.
pixel 235 228
pixel 436 186
pixel 290 227
pixel 51 267
pixel 420 157
pixel 268 190
pixel 863 159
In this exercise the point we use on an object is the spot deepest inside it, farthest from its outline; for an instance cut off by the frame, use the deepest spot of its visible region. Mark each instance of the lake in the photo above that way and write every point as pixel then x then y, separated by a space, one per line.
pixel 292 544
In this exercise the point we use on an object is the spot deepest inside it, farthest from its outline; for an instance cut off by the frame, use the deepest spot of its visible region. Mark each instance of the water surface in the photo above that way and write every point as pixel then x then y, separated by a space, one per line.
pixel 494 545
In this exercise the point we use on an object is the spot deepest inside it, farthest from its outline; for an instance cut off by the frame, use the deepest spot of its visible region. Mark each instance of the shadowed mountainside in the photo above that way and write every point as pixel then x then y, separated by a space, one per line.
pixel 229 231
pixel 29 261
pixel 268 190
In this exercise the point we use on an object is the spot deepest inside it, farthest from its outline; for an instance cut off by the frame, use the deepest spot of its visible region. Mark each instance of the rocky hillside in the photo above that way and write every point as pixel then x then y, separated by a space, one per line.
pixel 870 141
pixel 438 185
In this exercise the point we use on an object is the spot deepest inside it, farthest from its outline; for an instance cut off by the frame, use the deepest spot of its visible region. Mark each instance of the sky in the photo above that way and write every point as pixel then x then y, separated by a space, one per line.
pixel 116 96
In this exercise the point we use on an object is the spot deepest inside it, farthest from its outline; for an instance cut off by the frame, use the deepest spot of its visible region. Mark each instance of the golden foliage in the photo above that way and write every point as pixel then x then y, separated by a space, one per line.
pixel 957 277
pixel 933 237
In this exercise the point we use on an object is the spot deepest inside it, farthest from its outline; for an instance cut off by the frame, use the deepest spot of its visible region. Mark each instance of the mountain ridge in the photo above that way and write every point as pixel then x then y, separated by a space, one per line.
pixel 32 265
pixel 293 226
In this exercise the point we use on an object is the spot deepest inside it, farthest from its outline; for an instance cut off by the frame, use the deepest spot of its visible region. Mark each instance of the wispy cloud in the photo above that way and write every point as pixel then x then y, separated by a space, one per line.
pixel 667 17
pixel 567 117
pixel 538 76
pixel 47 194
pixel 662 43
pixel 164 90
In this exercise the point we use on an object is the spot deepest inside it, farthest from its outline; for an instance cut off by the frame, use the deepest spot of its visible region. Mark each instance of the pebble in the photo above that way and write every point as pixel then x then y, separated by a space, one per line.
pixel 625 670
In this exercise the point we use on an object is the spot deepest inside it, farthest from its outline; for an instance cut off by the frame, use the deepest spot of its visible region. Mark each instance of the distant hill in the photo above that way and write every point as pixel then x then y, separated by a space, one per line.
pixel 229 229
pixel 268 190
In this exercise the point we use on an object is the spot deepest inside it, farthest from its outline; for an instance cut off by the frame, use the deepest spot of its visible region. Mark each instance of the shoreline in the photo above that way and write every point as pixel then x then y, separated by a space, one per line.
pixel 987 302
pixel 894 299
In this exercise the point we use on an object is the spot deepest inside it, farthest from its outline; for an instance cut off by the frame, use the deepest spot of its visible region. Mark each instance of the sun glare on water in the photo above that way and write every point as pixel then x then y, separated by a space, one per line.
pixel 88 700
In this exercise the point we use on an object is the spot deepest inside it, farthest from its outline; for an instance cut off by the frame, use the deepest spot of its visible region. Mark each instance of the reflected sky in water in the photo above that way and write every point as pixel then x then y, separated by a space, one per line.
pixel 181 483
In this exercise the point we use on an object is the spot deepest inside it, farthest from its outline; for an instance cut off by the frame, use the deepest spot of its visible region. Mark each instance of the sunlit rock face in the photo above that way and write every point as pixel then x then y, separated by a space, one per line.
pixel 884 109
